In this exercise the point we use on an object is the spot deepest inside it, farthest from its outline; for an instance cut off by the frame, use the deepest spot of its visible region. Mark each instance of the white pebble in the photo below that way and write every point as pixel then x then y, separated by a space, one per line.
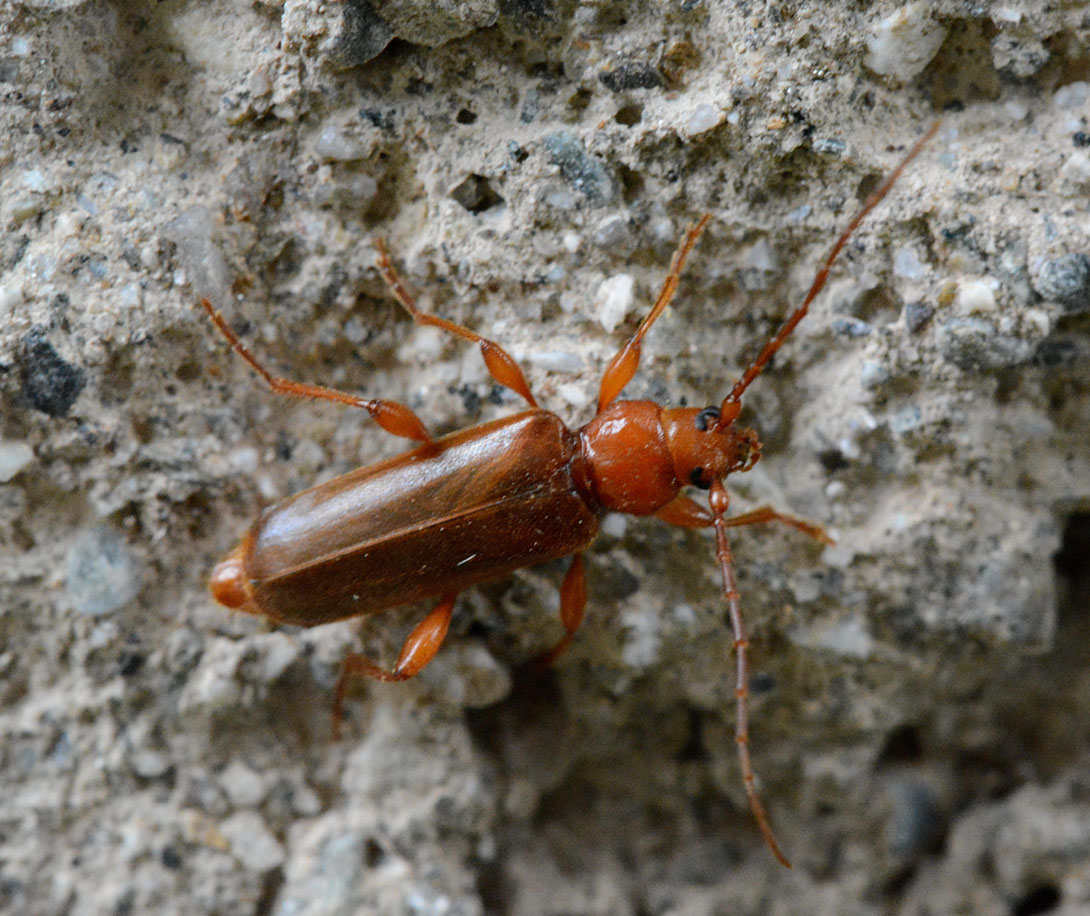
pixel 1039 320
pixel 572 394
pixel 1016 110
pixel 150 764
pixel 907 264
pixel 422 345
pixel 975 296
pixel 355 331
pixel 799 213
pixel 68 224
pixel 872 374
pixel 102 573
pixel 848 448
pixel 834 489
pixel 761 257
pixel 33 180
pixel 556 360
pixel 846 637
pixel 662 229
pixel 130 296
pixel 1076 170
pixel 252 843
pixel 244 787
pixel 276 652
pixel 615 524
pixel 14 456
pixel 334 143
pixel 1073 95
pixel 903 43
pixel 243 459
pixel 906 420
pixel 703 118
pixel 614 299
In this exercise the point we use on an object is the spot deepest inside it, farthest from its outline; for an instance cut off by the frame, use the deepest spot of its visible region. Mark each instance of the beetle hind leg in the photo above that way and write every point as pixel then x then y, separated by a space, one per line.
pixel 395 418
pixel 419 649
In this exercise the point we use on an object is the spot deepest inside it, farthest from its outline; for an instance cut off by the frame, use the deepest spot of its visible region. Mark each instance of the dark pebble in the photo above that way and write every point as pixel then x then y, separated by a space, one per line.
pixel 630 75
pixel 49 383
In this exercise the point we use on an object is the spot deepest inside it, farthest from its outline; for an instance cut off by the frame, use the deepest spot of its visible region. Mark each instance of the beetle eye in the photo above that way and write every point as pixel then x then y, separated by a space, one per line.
pixel 702 418
pixel 697 479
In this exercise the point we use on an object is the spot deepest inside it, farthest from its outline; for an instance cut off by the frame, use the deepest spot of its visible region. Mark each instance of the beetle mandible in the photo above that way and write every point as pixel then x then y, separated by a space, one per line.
pixel 477 504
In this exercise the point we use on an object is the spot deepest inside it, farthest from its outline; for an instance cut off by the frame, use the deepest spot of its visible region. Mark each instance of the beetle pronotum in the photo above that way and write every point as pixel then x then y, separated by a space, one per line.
pixel 477 504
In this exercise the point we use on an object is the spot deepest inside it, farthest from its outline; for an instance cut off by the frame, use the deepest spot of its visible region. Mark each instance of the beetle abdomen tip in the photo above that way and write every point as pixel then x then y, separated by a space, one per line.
pixel 228 584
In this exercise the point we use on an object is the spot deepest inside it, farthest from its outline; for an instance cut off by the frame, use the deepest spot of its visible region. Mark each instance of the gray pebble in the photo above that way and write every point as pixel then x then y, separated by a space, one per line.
pixel 362 35
pixel 1065 280
pixel 830 146
pixel 846 326
pixel 578 167
pixel 428 23
pixel 917 314
pixel 972 344
pixel 102 573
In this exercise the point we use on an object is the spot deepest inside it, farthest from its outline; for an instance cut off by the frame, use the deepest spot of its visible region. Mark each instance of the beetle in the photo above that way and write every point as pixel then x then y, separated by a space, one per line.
pixel 478 504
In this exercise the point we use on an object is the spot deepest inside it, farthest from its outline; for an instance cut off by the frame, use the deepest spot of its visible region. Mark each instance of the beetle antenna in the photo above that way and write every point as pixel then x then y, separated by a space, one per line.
pixel 719 502
pixel 822 276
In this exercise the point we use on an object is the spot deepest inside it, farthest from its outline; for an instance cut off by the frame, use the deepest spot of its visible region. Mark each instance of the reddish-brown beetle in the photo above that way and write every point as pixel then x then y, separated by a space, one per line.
pixel 478 504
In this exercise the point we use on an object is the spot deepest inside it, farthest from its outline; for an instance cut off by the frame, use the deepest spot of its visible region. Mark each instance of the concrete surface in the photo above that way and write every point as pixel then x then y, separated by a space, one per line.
pixel 920 726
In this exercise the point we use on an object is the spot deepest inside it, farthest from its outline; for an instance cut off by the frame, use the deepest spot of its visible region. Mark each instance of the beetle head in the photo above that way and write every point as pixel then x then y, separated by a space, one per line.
pixel 706 444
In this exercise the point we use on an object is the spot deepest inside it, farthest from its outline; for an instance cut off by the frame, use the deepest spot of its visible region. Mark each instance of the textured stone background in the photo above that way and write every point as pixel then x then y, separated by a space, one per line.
pixel 921 690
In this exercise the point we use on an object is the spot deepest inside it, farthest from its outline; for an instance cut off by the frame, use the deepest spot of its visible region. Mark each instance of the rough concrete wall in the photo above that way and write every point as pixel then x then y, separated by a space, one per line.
pixel 920 690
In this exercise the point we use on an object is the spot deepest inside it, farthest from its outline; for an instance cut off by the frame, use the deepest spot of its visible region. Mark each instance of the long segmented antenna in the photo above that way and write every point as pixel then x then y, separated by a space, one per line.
pixel 719 501
pixel 822 276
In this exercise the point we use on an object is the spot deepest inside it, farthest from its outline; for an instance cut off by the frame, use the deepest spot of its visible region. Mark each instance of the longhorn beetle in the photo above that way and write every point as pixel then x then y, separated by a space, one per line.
pixel 477 504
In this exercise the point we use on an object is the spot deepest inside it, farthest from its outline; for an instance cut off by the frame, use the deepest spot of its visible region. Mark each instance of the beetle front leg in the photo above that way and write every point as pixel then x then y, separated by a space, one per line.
pixel 687 513
pixel 419 649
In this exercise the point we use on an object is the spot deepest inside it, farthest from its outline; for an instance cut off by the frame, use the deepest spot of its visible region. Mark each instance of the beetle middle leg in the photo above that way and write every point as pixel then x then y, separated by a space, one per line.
pixel 501 365
pixel 573 602
pixel 419 649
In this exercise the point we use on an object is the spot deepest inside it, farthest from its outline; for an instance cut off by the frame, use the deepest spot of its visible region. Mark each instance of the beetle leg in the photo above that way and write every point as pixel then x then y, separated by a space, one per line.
pixel 688 513
pixel 501 365
pixel 573 601
pixel 768 514
pixel 627 360
pixel 419 649
pixel 393 417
